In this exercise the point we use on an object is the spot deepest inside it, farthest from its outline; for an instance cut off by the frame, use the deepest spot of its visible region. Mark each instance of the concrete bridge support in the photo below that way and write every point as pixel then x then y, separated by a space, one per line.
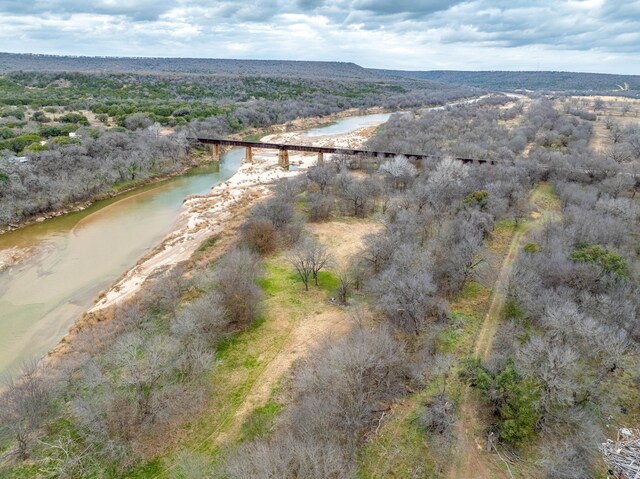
pixel 215 151
pixel 248 155
pixel 320 158
pixel 283 158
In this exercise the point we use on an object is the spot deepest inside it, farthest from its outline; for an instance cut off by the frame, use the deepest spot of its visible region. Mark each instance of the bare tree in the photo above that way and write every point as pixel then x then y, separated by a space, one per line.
pixel 299 258
pixel 357 194
pixel 319 206
pixel 309 257
pixel 322 175
pixel 345 384
pixel 320 258
pixel 288 457
pixel 165 291
pixel 615 132
pixel 619 152
pixel 235 277
pixel 144 365
pixel 598 104
pixel 345 285
pixel 442 364
pixel 24 404
pixel 406 294
pixel 399 170
pixel 438 415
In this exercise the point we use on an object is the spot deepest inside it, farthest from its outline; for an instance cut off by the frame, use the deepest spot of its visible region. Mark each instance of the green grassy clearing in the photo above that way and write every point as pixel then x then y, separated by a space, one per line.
pixel 242 359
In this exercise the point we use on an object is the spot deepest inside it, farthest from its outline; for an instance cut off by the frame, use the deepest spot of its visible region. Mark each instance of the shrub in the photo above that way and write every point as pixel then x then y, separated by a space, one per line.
pixel 6 133
pixel 74 118
pixel 437 415
pixel 20 142
pixel 513 398
pixel 235 278
pixel 608 261
pixel 260 236
pixel 137 121
pixel 517 399
pixel 271 224
pixel 40 116
pixel 477 198
pixel 319 206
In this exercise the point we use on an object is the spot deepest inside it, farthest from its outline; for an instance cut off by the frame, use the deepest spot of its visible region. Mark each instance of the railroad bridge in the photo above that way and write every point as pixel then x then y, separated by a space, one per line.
pixel 284 149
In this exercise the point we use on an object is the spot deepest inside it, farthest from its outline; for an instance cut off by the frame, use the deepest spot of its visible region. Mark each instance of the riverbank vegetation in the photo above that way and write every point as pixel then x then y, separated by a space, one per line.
pixel 372 318
pixel 101 131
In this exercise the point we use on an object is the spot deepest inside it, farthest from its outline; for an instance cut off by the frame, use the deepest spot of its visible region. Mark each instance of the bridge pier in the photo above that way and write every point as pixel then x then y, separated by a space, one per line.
pixel 248 156
pixel 283 158
pixel 215 151
pixel 320 158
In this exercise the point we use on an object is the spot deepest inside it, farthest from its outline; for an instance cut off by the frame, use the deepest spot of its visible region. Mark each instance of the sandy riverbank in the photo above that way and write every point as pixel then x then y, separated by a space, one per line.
pixel 13 256
pixel 205 215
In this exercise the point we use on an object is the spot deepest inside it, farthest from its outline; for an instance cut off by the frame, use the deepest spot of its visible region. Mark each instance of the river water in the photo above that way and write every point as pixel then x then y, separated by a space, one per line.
pixel 78 255
pixel 349 124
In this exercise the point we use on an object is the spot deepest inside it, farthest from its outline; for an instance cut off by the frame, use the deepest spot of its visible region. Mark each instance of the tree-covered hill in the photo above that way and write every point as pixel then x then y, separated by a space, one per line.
pixel 33 62
pixel 529 80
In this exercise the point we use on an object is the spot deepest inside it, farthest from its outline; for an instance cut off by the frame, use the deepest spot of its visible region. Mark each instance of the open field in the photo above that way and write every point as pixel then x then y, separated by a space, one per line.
pixel 623 111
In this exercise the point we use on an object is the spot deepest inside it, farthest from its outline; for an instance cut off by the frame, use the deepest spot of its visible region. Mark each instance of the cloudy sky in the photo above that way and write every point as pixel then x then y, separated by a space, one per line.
pixel 576 35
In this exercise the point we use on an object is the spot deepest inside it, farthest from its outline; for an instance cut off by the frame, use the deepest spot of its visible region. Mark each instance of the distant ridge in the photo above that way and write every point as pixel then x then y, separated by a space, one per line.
pixel 528 80
pixel 550 81
pixel 36 62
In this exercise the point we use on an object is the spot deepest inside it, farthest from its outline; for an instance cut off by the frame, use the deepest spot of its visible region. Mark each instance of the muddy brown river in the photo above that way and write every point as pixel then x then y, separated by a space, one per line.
pixel 75 256
pixel 78 255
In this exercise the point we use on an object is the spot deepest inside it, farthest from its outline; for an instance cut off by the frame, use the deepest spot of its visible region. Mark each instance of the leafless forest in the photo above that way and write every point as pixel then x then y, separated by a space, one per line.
pixel 485 308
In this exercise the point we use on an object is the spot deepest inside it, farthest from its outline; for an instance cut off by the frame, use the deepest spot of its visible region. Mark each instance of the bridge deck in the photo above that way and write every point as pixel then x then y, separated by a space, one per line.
pixel 322 149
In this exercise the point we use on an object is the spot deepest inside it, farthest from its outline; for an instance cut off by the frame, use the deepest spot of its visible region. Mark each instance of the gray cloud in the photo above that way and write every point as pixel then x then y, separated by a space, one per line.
pixel 410 8
pixel 517 34
pixel 138 10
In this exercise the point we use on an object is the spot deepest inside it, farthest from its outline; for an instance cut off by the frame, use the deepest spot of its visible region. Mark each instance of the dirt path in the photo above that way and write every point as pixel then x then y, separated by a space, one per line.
pixel 295 322
pixel 471 444
pixel 484 341
pixel 302 334
pixel 305 329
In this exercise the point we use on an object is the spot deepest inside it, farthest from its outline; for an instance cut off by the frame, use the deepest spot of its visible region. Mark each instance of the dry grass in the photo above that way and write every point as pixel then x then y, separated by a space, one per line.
pixel 624 111
pixel 254 363
pixel 344 236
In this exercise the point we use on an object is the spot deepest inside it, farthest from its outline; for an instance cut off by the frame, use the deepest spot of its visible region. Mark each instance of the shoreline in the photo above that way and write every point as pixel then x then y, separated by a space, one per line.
pixel 219 212
pixel 82 205
pixel 205 215
pixel 13 256
pixel 293 125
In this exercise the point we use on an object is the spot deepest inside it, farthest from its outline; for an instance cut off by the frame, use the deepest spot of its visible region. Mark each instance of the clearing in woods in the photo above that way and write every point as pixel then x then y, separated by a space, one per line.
pixel 253 364
pixel 621 110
